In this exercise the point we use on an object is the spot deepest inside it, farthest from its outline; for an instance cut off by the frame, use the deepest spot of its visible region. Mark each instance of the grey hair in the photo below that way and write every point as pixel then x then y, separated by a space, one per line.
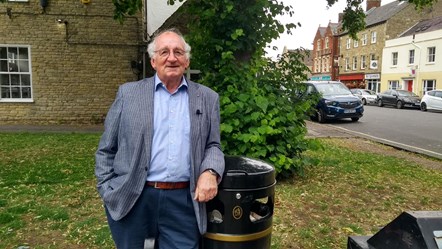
pixel 151 48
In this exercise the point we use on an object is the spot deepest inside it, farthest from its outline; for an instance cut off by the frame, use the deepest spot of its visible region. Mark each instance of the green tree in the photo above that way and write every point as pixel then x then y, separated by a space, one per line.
pixel 261 110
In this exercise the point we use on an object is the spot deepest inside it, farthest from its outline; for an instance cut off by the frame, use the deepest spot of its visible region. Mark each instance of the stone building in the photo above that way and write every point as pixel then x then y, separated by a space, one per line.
pixel 325 53
pixel 62 61
pixel 361 60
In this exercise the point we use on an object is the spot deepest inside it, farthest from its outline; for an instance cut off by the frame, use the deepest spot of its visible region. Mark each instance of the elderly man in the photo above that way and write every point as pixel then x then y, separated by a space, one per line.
pixel 159 159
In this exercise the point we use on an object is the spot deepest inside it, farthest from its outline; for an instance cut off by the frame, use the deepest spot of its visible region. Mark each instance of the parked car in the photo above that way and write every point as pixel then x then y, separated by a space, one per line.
pixel 366 96
pixel 399 98
pixel 432 100
pixel 335 102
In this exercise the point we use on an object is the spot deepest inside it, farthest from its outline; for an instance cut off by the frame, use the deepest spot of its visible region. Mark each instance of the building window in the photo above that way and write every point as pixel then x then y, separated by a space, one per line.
pixel 373 36
pixel 348 43
pixel 429 85
pixel 355 43
pixel 411 57
pixel 355 62
pixel 326 43
pixel 431 54
pixel 347 64
pixel 364 39
pixel 318 45
pixel 394 56
pixel 393 84
pixel 18 0
pixel 15 73
pixel 363 62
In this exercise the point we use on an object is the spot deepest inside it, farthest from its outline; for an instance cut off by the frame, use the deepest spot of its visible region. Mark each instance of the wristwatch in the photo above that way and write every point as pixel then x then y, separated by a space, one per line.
pixel 213 172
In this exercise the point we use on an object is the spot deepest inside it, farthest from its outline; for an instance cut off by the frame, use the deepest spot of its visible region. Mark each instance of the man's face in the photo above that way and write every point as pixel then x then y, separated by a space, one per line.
pixel 170 60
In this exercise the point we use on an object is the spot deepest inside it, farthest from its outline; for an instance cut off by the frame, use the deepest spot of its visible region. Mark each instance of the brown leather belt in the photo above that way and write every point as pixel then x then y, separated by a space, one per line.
pixel 168 185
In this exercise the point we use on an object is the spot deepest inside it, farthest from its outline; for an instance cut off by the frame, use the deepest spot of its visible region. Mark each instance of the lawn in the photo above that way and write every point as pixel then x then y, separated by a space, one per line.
pixel 48 197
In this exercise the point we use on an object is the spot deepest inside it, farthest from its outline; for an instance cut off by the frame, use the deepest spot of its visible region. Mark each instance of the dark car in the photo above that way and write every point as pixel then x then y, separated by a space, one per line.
pixel 335 102
pixel 399 98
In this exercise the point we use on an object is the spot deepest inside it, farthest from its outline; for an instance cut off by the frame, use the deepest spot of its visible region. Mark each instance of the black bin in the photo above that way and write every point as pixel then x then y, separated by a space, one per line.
pixel 241 214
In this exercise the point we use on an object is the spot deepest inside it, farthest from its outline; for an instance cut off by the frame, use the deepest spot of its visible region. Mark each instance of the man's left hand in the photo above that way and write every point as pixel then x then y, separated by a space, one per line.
pixel 206 187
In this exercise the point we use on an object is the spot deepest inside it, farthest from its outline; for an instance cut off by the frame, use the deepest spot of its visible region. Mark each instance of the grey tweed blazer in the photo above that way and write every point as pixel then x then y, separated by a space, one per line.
pixel 123 155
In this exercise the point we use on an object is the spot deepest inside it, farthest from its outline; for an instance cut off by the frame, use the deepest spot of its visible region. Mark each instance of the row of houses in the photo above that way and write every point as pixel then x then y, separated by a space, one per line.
pixel 400 48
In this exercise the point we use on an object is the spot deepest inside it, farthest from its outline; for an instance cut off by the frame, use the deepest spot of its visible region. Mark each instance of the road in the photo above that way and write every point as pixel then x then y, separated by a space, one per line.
pixel 409 129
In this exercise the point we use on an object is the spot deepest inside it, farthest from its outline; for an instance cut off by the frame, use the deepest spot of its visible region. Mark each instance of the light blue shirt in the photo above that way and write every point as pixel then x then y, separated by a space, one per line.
pixel 170 160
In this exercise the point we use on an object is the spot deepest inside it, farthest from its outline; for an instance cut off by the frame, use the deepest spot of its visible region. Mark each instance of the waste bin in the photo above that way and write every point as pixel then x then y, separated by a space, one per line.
pixel 241 214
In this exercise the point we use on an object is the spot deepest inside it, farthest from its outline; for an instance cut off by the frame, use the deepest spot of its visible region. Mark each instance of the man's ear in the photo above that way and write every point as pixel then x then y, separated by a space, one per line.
pixel 153 64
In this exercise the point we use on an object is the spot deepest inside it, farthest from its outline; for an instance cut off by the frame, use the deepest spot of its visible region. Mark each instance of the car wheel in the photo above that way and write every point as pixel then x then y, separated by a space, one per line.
pixel 321 116
pixel 423 106
pixel 364 101
pixel 354 119
pixel 380 104
pixel 399 105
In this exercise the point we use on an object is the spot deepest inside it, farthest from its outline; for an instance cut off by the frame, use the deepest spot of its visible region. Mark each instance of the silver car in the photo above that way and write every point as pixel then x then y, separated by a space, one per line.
pixel 365 95
pixel 432 100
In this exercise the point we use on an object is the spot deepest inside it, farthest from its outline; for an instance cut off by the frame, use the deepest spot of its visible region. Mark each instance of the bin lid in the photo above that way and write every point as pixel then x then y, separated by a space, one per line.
pixel 246 173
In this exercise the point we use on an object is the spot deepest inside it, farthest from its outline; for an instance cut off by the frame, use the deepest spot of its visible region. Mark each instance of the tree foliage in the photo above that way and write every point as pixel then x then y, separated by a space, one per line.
pixel 261 109
pixel 262 116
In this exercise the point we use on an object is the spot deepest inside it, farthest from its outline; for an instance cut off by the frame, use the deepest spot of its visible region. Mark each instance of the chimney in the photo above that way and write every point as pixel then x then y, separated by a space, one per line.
pixel 372 4
pixel 340 17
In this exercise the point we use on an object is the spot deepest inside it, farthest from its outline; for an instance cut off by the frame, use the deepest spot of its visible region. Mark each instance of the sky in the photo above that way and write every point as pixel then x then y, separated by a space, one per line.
pixel 311 14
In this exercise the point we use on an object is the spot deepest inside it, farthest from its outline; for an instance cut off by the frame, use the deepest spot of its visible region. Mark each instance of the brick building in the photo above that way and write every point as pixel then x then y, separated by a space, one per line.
pixel 361 60
pixel 62 61
pixel 325 53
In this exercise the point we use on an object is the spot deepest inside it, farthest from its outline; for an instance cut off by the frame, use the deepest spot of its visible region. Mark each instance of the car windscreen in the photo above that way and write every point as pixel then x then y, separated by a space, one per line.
pixel 332 89
pixel 369 92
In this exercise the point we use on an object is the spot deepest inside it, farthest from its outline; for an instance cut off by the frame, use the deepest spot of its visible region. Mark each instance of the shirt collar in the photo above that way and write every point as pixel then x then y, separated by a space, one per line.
pixel 159 83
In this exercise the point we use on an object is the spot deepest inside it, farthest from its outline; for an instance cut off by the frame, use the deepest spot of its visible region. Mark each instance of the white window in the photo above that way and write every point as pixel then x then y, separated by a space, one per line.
pixel 364 39
pixel 431 54
pixel 363 62
pixel 411 57
pixel 327 64
pixel 347 64
pixel 348 43
pixel 318 45
pixel 15 73
pixel 394 57
pixel 355 43
pixel 326 43
pixel 18 0
pixel 355 62
pixel 373 36
pixel 429 85
pixel 393 84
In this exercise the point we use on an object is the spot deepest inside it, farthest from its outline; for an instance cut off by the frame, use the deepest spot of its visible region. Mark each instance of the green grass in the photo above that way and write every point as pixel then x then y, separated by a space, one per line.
pixel 48 197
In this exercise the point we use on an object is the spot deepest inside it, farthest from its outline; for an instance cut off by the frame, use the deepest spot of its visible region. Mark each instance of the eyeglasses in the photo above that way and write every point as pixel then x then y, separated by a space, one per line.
pixel 164 53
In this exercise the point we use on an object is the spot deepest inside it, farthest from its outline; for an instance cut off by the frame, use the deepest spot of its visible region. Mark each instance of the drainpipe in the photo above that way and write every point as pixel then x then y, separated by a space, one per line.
pixel 418 66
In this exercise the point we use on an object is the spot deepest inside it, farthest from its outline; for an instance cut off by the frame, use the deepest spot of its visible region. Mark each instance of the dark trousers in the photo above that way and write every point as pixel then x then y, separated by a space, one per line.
pixel 166 215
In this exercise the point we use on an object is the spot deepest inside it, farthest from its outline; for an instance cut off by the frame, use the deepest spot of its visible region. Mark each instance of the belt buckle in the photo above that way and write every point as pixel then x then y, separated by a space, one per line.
pixel 155 185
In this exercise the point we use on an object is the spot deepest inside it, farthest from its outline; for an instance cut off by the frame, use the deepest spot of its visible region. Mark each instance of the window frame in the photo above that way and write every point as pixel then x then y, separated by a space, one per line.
pixel 393 84
pixel 431 54
pixel 394 58
pixel 425 87
pixel 374 35
pixel 19 74
pixel 363 62
pixel 348 45
pixel 355 62
pixel 364 39
pixel 411 56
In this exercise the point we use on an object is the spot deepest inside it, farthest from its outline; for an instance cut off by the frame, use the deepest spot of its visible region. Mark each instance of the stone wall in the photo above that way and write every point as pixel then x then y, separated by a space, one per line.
pixel 77 62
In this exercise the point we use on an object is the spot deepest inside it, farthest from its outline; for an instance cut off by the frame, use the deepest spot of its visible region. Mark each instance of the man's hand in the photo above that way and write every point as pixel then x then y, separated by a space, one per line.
pixel 206 187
